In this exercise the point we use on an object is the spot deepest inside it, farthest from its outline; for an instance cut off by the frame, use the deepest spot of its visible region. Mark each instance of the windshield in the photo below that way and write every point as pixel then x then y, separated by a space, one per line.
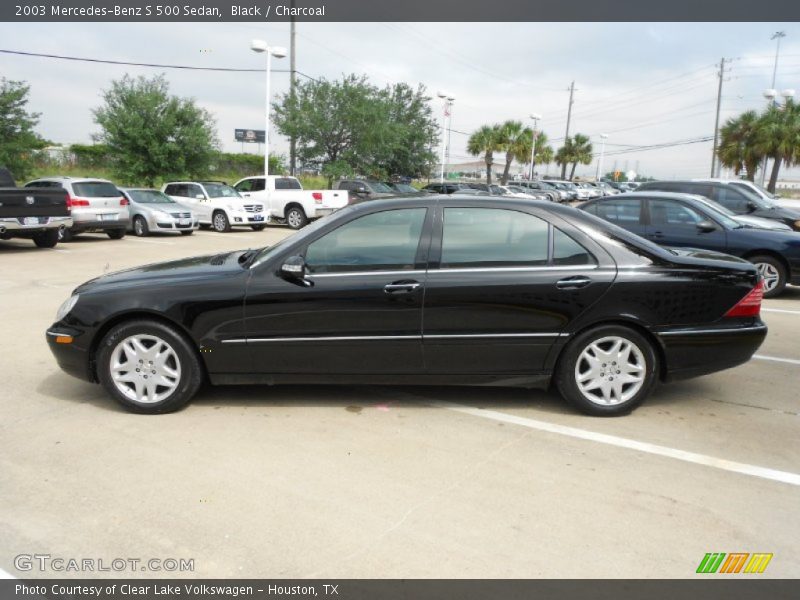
pixel 753 196
pixel 220 190
pixel 380 187
pixel 150 197
pixel 404 187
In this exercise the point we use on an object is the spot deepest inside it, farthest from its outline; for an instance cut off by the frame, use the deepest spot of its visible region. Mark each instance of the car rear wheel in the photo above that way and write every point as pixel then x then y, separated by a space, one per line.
pixel 189 232
pixel 607 371
pixel 116 234
pixel 148 367
pixel 296 217
pixel 65 235
pixel 220 222
pixel 773 272
pixel 46 239
pixel 140 228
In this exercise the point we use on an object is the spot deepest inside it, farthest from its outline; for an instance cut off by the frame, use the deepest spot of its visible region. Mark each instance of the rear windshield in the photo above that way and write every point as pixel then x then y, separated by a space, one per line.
pixel 380 187
pixel 150 197
pixel 220 190
pixel 95 189
pixel 287 183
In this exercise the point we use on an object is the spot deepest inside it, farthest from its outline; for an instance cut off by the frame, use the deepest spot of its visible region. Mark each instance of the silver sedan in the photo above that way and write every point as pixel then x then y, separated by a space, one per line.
pixel 153 211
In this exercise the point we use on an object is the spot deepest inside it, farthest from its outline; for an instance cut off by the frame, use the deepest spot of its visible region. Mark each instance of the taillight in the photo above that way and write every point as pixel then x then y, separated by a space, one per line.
pixel 750 305
pixel 123 202
pixel 75 202
pixel 317 197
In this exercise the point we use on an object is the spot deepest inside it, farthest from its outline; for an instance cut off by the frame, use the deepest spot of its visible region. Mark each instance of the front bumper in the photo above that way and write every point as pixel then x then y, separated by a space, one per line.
pixel 19 225
pixel 690 352
pixel 171 224
pixel 73 357
pixel 248 218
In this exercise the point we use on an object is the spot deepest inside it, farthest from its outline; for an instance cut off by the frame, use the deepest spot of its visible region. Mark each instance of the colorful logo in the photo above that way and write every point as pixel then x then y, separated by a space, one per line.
pixel 734 562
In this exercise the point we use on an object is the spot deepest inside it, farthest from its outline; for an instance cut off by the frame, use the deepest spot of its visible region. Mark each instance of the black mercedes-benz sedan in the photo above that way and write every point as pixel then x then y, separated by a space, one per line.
pixel 432 290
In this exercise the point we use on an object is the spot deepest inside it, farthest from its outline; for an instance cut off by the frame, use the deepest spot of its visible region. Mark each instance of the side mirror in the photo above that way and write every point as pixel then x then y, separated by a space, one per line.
pixel 706 226
pixel 294 269
pixel 752 207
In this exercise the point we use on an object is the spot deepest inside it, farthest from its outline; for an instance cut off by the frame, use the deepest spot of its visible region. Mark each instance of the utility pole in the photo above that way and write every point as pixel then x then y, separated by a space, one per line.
pixel 721 75
pixel 569 118
pixel 292 141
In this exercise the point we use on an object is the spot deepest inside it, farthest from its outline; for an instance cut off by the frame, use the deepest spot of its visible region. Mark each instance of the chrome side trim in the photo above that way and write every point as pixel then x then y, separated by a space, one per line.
pixel 705 331
pixel 516 269
pixel 362 273
pixel 349 338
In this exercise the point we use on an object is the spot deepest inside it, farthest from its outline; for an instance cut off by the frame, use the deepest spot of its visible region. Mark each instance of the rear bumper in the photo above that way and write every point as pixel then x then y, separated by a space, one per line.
pixel 15 225
pixel 94 225
pixel 690 352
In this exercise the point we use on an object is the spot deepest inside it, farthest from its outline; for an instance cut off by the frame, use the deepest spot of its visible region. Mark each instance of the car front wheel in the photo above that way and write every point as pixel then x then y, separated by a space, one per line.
pixel 148 367
pixel 140 228
pixel 220 222
pixel 607 371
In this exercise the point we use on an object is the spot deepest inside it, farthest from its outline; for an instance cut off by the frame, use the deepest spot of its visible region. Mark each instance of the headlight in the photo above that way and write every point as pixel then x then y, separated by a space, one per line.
pixel 68 305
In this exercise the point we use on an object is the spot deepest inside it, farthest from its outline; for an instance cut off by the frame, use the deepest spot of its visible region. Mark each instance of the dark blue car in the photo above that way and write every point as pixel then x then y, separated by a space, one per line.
pixel 681 220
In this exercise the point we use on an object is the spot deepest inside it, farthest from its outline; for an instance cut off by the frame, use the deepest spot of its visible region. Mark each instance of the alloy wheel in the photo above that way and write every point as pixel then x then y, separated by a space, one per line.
pixel 610 371
pixel 145 368
pixel 770 274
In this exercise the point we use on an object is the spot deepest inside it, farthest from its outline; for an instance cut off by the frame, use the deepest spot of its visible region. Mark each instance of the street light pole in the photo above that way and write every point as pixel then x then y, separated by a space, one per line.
pixel 278 52
pixel 448 100
pixel 778 35
pixel 598 174
pixel 536 118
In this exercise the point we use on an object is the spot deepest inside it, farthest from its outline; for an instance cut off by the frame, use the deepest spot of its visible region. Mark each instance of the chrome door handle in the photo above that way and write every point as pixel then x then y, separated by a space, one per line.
pixel 573 283
pixel 394 288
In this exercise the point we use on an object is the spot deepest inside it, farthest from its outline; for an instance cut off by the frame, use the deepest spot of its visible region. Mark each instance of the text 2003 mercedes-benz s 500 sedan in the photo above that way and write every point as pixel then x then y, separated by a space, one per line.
pixel 435 290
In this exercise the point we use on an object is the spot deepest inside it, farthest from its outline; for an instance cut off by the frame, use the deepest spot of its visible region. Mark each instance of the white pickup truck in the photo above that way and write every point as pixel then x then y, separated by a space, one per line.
pixel 286 199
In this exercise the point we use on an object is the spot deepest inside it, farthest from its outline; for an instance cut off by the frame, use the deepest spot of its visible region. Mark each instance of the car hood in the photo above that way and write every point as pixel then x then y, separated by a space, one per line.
pixel 762 223
pixel 174 271
pixel 779 212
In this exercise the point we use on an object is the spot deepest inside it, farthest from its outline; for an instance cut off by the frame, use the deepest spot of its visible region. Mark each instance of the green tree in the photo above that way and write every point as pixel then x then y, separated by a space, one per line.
pixel 352 126
pixel 484 141
pixel 778 137
pixel 576 150
pixel 18 140
pixel 737 148
pixel 515 140
pixel 151 134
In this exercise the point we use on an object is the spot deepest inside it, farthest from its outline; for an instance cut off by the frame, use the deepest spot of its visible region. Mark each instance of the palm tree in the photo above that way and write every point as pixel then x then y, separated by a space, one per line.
pixel 564 156
pixel 778 137
pixel 515 140
pixel 543 154
pixel 581 152
pixel 737 147
pixel 484 141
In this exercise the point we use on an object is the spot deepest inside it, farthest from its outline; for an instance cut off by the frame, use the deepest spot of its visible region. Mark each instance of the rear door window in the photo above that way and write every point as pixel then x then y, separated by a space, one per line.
pixel 625 211
pixel 287 183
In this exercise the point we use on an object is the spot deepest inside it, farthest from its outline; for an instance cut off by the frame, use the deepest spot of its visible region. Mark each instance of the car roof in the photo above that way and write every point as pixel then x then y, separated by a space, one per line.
pixel 70 179
pixel 138 189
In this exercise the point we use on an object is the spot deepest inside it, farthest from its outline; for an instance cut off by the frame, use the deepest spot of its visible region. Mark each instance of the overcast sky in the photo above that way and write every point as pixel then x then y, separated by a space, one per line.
pixel 642 83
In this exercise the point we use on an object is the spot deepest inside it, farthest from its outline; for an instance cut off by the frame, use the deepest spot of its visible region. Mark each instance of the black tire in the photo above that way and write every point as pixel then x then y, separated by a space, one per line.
pixel 65 235
pixel 566 376
pixel 258 227
pixel 46 239
pixel 296 217
pixel 140 228
pixel 205 226
pixel 116 234
pixel 190 368
pixel 769 267
pixel 189 232
pixel 220 221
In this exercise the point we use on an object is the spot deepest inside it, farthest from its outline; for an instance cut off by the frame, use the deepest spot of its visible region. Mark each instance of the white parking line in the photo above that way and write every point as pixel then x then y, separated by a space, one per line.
pixel 791 361
pixel 620 442
pixel 160 243
pixel 781 310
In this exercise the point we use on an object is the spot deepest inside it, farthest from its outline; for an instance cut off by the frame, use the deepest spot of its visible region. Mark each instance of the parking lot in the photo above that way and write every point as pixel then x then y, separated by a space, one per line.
pixel 383 482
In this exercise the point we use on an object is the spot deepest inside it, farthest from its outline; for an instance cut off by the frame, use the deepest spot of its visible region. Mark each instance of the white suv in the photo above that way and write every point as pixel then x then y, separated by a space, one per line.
pixel 97 205
pixel 218 204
